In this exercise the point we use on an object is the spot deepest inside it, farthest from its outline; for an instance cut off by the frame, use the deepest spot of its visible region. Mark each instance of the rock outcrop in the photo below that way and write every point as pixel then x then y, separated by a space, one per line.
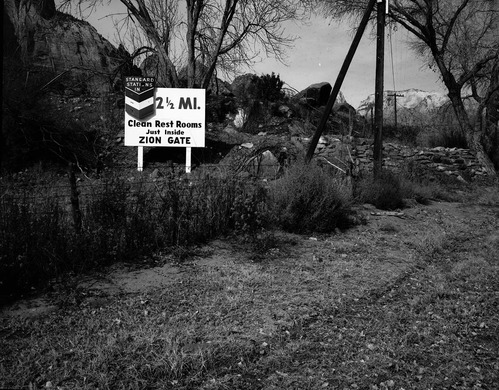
pixel 63 46
pixel 317 95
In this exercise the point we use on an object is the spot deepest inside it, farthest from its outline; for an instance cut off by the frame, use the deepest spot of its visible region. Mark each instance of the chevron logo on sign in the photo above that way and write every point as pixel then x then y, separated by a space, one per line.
pixel 139 96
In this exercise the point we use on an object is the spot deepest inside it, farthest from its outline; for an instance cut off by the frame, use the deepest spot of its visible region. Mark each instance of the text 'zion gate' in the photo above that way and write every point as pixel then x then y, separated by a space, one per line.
pixel 148 140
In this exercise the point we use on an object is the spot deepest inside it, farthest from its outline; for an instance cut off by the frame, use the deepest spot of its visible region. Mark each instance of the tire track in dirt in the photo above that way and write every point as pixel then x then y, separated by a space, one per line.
pixel 431 323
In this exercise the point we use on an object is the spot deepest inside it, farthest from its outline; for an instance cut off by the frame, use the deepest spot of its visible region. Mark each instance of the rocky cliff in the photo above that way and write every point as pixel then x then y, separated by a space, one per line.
pixel 62 46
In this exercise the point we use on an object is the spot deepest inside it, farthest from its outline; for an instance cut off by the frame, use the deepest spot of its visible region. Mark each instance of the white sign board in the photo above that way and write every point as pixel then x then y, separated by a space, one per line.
pixel 178 121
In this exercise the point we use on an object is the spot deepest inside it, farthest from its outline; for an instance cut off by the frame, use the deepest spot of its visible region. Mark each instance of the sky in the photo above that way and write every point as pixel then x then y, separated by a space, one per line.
pixel 318 54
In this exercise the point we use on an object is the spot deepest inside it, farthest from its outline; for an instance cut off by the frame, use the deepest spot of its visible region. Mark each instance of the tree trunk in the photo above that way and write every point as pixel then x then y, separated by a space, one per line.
pixel 191 56
pixel 167 69
pixel 208 75
pixel 194 8
pixel 378 100
pixel 472 133
pixel 492 118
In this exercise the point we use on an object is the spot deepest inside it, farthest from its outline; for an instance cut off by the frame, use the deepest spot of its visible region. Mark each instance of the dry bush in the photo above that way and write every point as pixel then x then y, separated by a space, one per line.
pixel 308 199
pixel 385 192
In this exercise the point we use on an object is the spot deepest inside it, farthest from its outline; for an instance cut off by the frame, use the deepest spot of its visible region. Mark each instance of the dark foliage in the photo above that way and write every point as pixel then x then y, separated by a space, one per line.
pixel 384 192
pixel 270 88
pixel 448 138
pixel 403 134
pixel 33 131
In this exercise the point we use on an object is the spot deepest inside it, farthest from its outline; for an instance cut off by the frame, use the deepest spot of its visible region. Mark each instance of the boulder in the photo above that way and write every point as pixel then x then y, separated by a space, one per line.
pixel 240 118
pixel 268 165
pixel 317 95
pixel 264 165
pixel 229 129
pixel 285 111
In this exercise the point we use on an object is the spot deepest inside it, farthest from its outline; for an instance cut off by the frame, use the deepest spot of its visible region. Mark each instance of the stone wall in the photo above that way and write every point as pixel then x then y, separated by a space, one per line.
pixel 460 163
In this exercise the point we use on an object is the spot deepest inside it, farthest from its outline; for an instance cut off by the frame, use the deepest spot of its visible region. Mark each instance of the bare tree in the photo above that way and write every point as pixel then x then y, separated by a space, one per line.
pixel 216 34
pixel 460 40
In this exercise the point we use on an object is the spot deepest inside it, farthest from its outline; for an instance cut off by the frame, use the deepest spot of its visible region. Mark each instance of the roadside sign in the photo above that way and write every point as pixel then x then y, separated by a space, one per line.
pixel 163 117
pixel 178 121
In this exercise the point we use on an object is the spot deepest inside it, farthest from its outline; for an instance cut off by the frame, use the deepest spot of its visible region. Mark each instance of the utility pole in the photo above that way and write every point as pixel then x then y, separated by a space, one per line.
pixel 339 80
pixel 378 96
pixel 395 95
pixel 372 120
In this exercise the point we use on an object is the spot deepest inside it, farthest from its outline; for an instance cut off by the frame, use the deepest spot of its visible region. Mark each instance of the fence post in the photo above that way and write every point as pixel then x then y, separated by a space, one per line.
pixel 75 202
pixel 378 95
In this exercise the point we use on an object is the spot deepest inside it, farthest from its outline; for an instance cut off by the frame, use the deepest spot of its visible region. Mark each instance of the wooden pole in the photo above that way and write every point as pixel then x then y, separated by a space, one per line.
pixel 339 81
pixel 395 108
pixel 140 158
pixel 395 95
pixel 372 121
pixel 75 201
pixel 188 154
pixel 378 96
pixel 350 122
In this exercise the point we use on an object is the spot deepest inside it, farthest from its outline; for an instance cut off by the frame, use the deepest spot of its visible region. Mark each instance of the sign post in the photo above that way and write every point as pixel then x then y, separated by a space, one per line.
pixel 188 160
pixel 171 117
pixel 140 158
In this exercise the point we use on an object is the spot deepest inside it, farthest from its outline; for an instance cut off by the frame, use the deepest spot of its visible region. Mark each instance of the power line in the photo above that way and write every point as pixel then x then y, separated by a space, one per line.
pixel 391 56
pixel 394 94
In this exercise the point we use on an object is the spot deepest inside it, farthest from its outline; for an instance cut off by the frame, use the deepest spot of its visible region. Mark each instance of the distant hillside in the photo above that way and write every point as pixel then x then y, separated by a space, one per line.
pixel 411 102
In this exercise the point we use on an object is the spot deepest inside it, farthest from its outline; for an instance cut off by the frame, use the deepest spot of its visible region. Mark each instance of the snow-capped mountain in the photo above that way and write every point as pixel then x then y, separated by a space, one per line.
pixel 410 99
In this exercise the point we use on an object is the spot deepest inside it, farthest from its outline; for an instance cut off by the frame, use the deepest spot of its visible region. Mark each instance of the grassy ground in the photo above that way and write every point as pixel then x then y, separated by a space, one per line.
pixel 398 303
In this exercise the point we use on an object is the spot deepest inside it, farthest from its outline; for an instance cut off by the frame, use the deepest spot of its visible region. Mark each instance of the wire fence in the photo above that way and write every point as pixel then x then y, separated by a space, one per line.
pixel 126 187
pixel 51 227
